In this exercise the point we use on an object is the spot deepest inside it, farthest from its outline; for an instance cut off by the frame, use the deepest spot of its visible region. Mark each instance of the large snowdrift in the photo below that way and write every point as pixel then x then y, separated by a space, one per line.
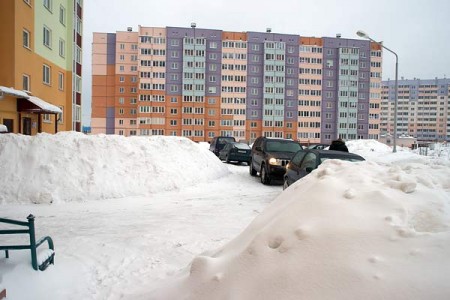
pixel 71 166
pixel 347 231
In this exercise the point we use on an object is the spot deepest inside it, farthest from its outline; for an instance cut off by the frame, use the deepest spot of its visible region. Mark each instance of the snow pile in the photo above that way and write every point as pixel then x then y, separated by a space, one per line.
pixel 72 166
pixel 441 150
pixel 347 231
pixel 378 152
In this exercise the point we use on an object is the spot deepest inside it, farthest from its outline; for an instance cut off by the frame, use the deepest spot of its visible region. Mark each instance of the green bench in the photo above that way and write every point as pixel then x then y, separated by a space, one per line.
pixel 49 256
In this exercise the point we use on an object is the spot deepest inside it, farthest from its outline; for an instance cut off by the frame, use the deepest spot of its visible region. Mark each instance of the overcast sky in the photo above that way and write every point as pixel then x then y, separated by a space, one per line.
pixel 418 30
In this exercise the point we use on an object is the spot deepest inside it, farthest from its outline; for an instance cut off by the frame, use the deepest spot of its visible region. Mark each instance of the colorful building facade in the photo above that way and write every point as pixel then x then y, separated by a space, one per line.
pixel 40 78
pixel 423 109
pixel 202 83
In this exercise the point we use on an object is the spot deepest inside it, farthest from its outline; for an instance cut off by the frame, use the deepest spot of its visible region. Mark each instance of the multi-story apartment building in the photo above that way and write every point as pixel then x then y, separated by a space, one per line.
pixel 202 83
pixel 422 109
pixel 40 58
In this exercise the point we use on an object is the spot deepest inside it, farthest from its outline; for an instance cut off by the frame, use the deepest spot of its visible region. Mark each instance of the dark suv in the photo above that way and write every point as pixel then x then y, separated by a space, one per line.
pixel 270 156
pixel 218 142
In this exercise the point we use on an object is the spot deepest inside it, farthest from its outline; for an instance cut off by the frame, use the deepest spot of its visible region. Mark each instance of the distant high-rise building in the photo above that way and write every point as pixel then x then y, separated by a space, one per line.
pixel 201 83
pixel 40 59
pixel 423 109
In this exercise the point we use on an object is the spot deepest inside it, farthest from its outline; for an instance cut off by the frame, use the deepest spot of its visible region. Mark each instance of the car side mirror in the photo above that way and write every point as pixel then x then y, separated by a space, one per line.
pixel 309 169
pixel 258 148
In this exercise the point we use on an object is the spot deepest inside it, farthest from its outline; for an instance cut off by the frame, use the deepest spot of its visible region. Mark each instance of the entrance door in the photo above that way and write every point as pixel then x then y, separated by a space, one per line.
pixel 26 128
pixel 9 123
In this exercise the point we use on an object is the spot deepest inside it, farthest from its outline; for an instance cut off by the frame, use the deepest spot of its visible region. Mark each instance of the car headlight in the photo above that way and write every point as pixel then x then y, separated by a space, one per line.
pixel 275 161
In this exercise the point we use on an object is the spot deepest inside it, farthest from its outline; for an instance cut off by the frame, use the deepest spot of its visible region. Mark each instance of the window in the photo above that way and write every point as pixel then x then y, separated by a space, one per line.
pixel 62 15
pixel 78 26
pixel 46 74
pixel 26 38
pixel 78 54
pixel 77 113
pixel 77 83
pixel 213 67
pixel 46 118
pixel 61 81
pixel 26 82
pixel 48 5
pixel 47 37
pixel 62 48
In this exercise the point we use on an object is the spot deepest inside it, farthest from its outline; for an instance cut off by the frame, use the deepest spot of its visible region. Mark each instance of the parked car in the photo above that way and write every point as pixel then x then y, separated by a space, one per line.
pixel 234 151
pixel 218 142
pixel 270 156
pixel 309 159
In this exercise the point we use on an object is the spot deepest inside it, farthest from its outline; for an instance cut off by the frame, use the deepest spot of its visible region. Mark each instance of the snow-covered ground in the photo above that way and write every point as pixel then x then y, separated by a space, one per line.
pixel 163 218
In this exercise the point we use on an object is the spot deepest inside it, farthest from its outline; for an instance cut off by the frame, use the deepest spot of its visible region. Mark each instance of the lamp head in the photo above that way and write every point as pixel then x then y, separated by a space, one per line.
pixel 362 34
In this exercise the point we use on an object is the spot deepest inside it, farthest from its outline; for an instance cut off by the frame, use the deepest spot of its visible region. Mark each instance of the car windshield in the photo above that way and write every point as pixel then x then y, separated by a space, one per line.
pixel 225 140
pixel 242 146
pixel 283 146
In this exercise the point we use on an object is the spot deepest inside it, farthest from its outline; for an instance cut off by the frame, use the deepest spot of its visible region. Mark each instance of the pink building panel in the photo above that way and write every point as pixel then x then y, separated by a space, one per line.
pixel 99 48
pixel 99 69
pixel 99 37
pixel 152 31
pixel 99 123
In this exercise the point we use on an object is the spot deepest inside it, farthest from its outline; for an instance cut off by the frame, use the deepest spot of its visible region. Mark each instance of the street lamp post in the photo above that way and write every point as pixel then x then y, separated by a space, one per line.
pixel 365 35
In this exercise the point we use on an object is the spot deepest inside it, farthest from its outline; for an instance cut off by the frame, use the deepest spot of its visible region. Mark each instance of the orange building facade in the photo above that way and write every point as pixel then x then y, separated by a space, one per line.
pixel 40 78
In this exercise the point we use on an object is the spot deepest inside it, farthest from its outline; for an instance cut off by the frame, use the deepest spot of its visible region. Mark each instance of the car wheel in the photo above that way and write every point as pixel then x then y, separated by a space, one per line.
pixel 285 184
pixel 265 179
pixel 250 167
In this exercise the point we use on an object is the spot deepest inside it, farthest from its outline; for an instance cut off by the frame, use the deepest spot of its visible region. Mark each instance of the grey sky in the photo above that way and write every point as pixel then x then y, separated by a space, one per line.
pixel 417 30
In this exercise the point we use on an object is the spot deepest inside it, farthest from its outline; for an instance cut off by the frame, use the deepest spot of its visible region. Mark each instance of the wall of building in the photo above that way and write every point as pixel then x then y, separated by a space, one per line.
pixel 422 108
pixel 202 83
pixel 19 62
pixel 103 83
pixel 309 109
pixel 7 40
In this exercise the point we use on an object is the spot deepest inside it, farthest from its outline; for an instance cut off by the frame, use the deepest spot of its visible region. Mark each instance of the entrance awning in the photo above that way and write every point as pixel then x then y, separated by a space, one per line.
pixel 33 104
pixel 12 92
pixel 41 106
